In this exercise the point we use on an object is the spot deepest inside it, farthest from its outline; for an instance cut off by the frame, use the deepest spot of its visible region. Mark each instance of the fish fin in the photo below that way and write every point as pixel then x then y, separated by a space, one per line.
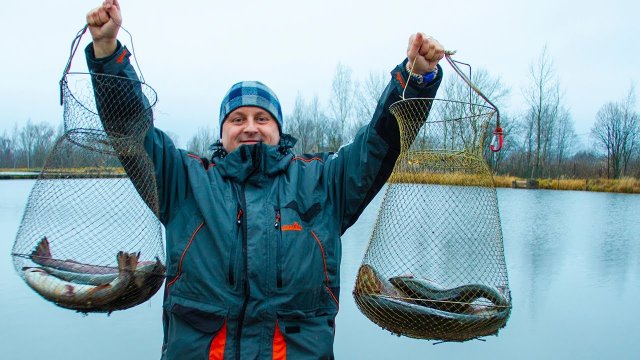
pixel 127 262
pixel 42 250
pixel 133 261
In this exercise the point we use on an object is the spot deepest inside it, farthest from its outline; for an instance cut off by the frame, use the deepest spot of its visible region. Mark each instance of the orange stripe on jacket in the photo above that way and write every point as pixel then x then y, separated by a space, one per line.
pixel 279 345
pixel 216 350
pixel 315 158
pixel 324 263
pixel 182 258
pixel 400 79
pixel 120 58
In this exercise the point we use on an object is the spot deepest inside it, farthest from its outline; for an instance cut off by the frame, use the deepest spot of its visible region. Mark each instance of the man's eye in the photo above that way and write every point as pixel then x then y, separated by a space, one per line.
pixel 236 120
pixel 263 119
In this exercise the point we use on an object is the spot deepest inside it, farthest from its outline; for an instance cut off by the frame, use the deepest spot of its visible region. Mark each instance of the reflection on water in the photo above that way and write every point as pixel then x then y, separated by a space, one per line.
pixel 573 261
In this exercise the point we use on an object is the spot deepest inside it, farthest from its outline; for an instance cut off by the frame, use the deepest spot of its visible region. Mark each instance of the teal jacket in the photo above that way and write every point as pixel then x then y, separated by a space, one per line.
pixel 253 236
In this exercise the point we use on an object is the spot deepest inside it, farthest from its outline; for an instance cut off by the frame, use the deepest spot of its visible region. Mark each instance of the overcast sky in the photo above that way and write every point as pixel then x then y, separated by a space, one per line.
pixel 191 51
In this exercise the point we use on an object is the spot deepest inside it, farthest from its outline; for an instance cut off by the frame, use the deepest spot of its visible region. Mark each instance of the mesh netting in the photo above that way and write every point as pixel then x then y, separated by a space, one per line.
pixel 435 267
pixel 90 239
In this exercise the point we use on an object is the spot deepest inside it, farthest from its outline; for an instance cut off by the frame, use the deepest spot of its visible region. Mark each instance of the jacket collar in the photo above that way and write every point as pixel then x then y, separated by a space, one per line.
pixel 256 159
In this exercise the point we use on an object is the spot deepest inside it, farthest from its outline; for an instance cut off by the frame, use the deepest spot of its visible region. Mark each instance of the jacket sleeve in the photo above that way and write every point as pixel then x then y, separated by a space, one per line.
pixel 357 172
pixel 125 112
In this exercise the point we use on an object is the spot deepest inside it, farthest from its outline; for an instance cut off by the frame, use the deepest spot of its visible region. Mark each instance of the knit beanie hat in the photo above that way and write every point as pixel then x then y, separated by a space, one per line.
pixel 251 93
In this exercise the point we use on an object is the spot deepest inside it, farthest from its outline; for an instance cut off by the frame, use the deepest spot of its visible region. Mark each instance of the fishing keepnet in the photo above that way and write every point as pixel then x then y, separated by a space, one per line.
pixel 90 239
pixel 434 267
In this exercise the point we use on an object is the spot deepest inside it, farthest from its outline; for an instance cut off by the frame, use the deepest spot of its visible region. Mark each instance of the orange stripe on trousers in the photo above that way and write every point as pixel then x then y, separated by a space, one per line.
pixel 216 350
pixel 279 346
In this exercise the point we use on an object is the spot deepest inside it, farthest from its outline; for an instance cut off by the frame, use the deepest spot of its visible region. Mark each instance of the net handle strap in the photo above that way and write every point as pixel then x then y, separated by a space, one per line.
pixel 498 135
pixel 74 47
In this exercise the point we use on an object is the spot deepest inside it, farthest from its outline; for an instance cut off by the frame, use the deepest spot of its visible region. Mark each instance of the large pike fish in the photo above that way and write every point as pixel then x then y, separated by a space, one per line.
pixel 82 297
pixel 406 306
pixel 470 298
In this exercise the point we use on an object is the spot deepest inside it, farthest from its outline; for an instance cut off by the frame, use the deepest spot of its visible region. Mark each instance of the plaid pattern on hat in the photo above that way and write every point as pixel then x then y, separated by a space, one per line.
pixel 251 93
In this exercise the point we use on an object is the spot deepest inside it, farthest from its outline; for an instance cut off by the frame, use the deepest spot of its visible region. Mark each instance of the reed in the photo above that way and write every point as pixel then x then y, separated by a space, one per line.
pixel 627 185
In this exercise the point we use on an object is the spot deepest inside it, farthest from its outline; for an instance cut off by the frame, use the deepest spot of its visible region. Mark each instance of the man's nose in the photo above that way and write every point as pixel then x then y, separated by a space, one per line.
pixel 251 126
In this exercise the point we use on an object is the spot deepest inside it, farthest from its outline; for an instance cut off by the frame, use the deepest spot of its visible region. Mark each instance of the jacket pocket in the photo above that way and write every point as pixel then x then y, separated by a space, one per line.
pixel 299 263
pixel 309 338
pixel 194 334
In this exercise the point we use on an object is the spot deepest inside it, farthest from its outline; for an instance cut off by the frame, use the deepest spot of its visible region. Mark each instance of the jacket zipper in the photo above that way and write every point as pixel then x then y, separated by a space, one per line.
pixel 245 270
pixel 278 250
pixel 232 256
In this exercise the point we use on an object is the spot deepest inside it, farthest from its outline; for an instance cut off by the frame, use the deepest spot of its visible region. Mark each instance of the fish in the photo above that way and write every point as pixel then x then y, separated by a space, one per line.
pixel 460 299
pixel 141 288
pixel 402 306
pixel 97 279
pixel 369 281
pixel 145 282
pixel 423 322
pixel 73 271
pixel 82 297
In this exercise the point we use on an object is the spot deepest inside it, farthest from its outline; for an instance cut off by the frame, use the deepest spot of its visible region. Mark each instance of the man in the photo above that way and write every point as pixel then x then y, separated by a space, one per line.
pixel 253 234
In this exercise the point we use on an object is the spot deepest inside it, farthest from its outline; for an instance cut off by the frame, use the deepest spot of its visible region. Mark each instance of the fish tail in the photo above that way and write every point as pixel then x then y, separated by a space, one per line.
pixel 42 250
pixel 127 263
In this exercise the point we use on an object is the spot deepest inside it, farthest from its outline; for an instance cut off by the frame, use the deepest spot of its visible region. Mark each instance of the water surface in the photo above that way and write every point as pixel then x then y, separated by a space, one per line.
pixel 574 271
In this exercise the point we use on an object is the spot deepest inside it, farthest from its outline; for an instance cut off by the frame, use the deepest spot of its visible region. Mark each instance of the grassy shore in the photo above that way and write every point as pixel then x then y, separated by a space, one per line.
pixel 85 172
pixel 625 185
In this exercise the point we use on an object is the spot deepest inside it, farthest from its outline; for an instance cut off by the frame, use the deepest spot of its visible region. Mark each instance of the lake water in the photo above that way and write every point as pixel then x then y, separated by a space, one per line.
pixel 574 270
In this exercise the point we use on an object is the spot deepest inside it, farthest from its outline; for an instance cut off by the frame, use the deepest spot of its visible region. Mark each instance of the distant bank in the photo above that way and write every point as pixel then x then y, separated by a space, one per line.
pixel 79 173
pixel 11 175
pixel 625 185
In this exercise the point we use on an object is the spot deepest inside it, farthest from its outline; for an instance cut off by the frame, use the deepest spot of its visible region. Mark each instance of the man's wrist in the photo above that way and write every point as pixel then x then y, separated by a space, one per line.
pixel 104 48
pixel 421 79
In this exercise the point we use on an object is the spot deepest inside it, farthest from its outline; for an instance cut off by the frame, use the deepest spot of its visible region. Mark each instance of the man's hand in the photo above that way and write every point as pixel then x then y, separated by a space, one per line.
pixel 104 23
pixel 426 51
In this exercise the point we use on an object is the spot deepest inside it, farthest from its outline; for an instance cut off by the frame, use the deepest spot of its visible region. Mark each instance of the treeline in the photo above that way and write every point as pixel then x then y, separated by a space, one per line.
pixel 540 138
pixel 27 146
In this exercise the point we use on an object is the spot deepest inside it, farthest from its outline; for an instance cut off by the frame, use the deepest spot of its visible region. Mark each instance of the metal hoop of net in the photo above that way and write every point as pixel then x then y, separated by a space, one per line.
pixel 434 267
pixel 90 239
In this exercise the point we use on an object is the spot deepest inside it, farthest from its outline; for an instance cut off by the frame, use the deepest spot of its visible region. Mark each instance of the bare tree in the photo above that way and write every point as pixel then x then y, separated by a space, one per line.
pixel 200 142
pixel 322 127
pixel 6 151
pixel 565 138
pixel 36 140
pixel 341 102
pixel 367 93
pixel 300 125
pixel 631 120
pixel 617 129
pixel 543 99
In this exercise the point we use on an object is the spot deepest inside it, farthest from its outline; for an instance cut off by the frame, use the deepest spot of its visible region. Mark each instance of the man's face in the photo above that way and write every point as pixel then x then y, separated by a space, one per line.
pixel 249 125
